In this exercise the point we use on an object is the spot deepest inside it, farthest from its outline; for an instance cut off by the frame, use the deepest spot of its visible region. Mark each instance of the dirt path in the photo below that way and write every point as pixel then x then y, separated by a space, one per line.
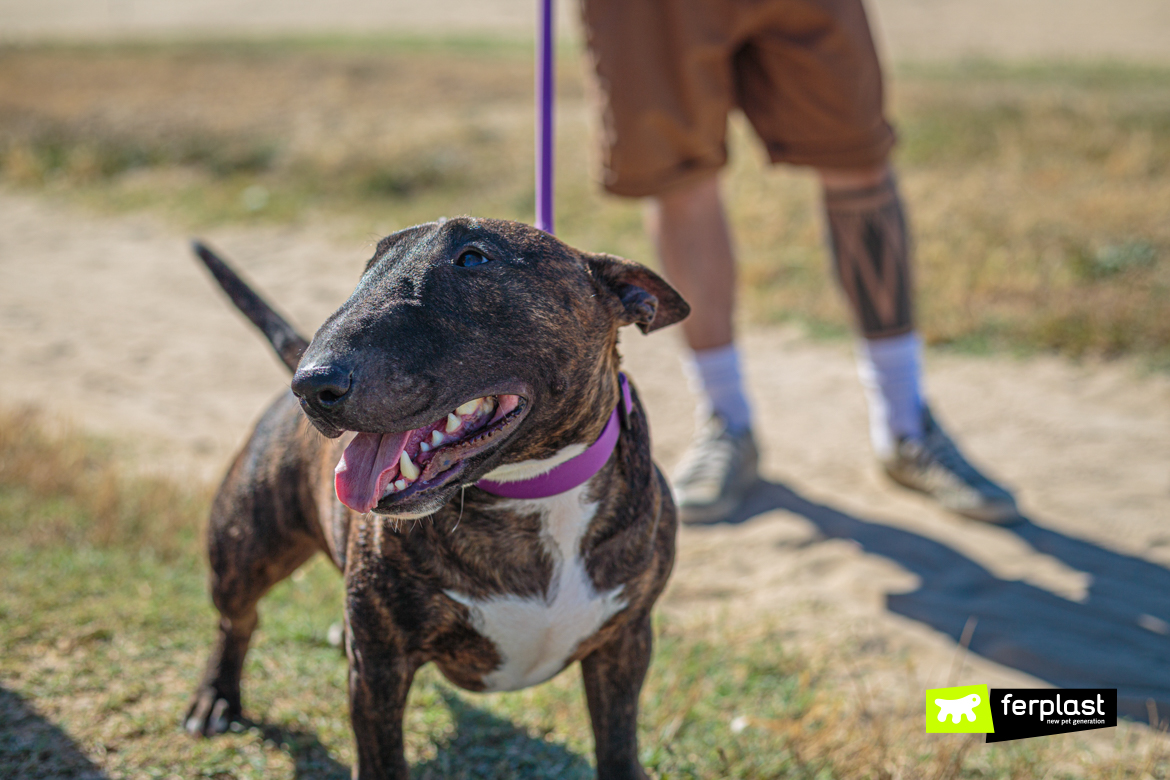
pixel 110 323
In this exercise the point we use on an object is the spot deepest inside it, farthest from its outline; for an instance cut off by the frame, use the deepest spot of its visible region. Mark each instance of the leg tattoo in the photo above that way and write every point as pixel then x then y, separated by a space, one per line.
pixel 871 255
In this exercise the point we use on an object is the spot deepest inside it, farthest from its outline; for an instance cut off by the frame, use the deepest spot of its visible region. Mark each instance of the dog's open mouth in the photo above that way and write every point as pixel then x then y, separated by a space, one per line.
pixel 382 465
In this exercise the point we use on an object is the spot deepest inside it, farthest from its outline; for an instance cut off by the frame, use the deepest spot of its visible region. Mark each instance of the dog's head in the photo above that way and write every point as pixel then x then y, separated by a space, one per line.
pixel 470 344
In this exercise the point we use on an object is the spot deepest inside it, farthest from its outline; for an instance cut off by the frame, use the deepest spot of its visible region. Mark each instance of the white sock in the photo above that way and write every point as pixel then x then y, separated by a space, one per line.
pixel 715 379
pixel 891 375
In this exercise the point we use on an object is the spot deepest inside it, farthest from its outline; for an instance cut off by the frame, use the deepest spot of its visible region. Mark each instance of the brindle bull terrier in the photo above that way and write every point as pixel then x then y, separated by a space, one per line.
pixel 460 443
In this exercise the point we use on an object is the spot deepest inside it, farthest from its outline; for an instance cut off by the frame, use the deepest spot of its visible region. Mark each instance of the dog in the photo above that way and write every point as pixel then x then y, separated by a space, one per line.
pixel 460 443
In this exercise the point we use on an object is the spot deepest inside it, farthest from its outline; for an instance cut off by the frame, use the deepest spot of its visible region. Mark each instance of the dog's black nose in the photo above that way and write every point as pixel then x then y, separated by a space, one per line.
pixel 324 387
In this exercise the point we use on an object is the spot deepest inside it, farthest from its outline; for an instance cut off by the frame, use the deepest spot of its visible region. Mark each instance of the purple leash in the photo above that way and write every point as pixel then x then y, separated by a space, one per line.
pixel 545 92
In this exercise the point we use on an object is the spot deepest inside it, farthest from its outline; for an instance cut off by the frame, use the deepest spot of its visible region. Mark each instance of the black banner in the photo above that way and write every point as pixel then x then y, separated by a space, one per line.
pixel 1019 713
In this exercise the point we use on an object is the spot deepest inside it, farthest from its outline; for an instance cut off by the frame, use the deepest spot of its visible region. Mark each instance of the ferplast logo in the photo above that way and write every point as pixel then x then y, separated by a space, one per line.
pixel 965 709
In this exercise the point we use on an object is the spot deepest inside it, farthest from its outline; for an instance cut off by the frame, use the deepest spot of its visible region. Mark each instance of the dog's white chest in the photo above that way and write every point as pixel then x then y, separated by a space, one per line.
pixel 534 636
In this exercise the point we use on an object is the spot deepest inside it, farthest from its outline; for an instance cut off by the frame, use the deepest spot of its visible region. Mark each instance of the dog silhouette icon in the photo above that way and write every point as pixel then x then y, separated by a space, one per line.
pixel 957 708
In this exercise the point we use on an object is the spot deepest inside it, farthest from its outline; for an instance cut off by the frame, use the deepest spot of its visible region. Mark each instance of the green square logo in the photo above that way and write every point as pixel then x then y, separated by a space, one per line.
pixel 962 710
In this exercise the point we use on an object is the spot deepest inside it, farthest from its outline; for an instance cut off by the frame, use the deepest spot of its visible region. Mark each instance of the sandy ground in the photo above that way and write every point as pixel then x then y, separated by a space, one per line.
pixel 910 29
pixel 110 323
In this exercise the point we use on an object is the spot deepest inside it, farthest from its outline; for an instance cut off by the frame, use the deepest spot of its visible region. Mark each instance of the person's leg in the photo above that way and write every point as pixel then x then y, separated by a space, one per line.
pixel 694 246
pixel 870 245
pixel 666 85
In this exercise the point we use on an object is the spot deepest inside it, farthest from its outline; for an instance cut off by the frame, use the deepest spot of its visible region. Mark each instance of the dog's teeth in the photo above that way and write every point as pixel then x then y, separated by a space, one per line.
pixel 453 423
pixel 407 468
pixel 425 447
pixel 468 407
pixel 400 484
pixel 437 438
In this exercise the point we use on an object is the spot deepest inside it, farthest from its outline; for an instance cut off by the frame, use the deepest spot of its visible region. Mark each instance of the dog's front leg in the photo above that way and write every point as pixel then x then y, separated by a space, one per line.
pixel 380 674
pixel 613 679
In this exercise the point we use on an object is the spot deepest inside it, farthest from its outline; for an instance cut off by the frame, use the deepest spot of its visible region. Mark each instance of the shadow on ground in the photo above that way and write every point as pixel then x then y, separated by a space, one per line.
pixel 1116 638
pixel 32 747
pixel 485 746
pixel 482 746
pixel 310 758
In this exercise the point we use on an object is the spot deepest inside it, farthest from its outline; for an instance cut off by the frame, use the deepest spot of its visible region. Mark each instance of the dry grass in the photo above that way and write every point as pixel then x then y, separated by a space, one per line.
pixel 1037 193
pixel 105 620
pixel 66 490
pixel 1038 202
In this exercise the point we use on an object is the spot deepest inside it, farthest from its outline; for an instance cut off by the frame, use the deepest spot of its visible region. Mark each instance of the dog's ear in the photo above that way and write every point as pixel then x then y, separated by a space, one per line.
pixel 645 296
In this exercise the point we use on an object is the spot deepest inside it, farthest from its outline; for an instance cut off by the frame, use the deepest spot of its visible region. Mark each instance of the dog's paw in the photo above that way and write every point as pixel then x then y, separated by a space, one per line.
pixel 209 714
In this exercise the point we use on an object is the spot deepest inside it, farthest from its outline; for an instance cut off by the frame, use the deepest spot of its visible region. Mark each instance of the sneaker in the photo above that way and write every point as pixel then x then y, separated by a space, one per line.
pixel 935 466
pixel 715 473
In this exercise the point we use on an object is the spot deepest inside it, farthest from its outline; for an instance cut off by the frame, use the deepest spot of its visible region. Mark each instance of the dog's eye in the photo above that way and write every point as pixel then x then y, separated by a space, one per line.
pixel 470 258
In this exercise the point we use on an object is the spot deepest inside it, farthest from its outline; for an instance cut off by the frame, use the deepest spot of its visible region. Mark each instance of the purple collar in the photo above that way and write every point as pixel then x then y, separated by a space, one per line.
pixel 575 471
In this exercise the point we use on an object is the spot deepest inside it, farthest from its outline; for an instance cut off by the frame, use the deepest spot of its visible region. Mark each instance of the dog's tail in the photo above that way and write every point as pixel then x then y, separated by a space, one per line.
pixel 289 344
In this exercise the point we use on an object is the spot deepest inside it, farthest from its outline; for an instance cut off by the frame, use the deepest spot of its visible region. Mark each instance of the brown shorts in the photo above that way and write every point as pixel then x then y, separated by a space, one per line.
pixel 669 71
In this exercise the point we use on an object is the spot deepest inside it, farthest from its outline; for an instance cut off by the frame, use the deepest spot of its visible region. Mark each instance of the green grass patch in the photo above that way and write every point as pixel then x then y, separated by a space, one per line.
pixel 105 624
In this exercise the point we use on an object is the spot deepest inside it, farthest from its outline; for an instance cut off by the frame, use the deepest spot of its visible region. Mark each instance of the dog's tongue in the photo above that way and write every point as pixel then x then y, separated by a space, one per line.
pixel 368 463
